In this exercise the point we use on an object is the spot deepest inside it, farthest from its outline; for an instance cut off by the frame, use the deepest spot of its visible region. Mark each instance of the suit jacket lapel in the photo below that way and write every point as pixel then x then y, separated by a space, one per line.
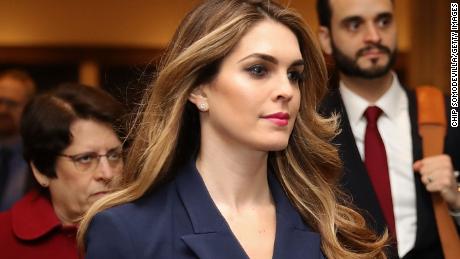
pixel 416 155
pixel 355 179
pixel 212 237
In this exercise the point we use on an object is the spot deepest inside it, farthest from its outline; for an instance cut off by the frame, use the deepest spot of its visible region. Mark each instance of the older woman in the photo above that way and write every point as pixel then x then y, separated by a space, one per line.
pixel 73 144
pixel 230 158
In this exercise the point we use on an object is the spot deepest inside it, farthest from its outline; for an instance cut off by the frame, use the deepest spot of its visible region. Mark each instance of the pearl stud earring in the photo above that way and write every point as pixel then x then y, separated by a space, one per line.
pixel 203 107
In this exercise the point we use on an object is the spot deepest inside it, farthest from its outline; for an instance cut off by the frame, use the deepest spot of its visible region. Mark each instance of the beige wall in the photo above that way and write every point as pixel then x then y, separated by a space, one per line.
pixel 429 57
pixel 133 23
pixel 149 24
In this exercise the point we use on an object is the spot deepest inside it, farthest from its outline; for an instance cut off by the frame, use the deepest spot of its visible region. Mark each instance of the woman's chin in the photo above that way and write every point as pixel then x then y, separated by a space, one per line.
pixel 274 145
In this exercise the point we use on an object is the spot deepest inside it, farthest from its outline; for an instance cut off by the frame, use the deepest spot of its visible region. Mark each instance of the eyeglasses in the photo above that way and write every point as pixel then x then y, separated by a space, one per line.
pixel 88 162
pixel 9 103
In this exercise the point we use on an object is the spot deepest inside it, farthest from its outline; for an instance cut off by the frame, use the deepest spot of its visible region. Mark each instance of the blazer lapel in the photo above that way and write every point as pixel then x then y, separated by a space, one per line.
pixel 296 243
pixel 212 237
pixel 355 179
pixel 294 239
pixel 215 245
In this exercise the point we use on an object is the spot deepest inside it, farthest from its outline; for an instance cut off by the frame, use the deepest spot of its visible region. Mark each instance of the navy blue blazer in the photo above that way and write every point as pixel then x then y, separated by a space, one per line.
pixel 180 220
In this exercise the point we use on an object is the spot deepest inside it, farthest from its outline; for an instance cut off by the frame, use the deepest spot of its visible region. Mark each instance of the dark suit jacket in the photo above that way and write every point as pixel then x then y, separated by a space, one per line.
pixel 180 220
pixel 356 181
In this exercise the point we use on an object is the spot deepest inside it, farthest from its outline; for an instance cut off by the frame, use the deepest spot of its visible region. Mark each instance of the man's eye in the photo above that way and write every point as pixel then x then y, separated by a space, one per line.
pixel 353 25
pixel 257 70
pixel 384 22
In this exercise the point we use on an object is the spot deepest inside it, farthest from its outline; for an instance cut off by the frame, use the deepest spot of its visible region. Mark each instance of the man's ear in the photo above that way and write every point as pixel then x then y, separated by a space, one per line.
pixel 42 179
pixel 199 98
pixel 325 40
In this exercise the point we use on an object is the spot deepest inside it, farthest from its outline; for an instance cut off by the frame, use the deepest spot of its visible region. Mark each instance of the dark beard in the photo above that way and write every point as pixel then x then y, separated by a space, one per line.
pixel 350 67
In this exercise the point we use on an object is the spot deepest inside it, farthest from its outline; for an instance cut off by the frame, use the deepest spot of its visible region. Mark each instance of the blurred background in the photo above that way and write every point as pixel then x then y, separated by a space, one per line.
pixel 115 43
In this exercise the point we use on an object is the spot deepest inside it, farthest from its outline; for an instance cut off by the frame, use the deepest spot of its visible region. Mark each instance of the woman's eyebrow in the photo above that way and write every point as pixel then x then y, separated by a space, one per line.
pixel 271 59
pixel 266 57
pixel 298 63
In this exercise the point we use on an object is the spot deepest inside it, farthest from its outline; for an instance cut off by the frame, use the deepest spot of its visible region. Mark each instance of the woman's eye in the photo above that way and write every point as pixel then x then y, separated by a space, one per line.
pixel 295 76
pixel 114 156
pixel 257 70
pixel 85 159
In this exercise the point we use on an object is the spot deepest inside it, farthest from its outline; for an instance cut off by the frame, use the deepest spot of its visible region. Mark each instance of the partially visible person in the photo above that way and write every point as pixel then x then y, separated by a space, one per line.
pixel 442 181
pixel 16 89
pixel 73 142
pixel 379 142
pixel 230 158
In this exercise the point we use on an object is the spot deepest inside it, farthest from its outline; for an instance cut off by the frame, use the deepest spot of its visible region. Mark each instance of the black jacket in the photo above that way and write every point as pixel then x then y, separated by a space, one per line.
pixel 357 183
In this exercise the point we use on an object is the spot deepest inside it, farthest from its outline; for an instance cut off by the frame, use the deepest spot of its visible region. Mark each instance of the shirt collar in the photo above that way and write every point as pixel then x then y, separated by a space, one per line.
pixel 391 102
pixel 33 217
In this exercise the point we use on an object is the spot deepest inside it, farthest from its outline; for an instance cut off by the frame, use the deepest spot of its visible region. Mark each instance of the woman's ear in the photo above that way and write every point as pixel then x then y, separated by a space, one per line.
pixel 199 98
pixel 42 179
pixel 324 36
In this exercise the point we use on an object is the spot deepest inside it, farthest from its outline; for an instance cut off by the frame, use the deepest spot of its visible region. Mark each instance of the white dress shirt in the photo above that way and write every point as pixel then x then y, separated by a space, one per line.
pixel 395 130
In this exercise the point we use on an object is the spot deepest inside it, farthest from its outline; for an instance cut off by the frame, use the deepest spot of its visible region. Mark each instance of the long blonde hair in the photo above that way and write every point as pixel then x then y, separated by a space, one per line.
pixel 167 131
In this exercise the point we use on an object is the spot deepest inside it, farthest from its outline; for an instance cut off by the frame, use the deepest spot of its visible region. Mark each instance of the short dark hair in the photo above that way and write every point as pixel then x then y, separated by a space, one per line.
pixel 324 11
pixel 47 118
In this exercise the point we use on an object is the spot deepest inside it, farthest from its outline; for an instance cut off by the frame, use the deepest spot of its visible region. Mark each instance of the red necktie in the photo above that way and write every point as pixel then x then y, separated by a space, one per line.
pixel 375 160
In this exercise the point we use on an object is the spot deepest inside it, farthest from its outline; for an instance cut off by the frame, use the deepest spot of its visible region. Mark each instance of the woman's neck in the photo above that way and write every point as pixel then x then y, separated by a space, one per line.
pixel 66 220
pixel 66 215
pixel 235 177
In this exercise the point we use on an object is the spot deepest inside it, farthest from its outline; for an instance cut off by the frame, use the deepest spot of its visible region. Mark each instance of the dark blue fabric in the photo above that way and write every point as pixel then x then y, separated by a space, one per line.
pixel 15 173
pixel 180 220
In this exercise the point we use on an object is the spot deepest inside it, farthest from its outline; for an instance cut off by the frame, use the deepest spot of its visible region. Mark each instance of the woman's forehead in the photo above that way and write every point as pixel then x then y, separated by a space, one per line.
pixel 271 38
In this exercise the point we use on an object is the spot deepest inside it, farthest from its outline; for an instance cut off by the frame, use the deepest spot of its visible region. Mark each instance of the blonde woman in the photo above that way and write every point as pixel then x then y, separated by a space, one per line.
pixel 230 158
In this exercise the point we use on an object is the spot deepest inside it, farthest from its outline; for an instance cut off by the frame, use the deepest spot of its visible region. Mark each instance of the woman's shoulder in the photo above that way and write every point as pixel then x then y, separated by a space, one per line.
pixel 151 205
pixel 154 204
pixel 136 226
pixel 31 217
pixel 5 225
pixel 17 215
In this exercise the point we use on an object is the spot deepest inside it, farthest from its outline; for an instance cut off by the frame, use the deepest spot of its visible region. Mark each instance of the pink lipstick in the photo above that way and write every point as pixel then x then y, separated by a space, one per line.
pixel 279 118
